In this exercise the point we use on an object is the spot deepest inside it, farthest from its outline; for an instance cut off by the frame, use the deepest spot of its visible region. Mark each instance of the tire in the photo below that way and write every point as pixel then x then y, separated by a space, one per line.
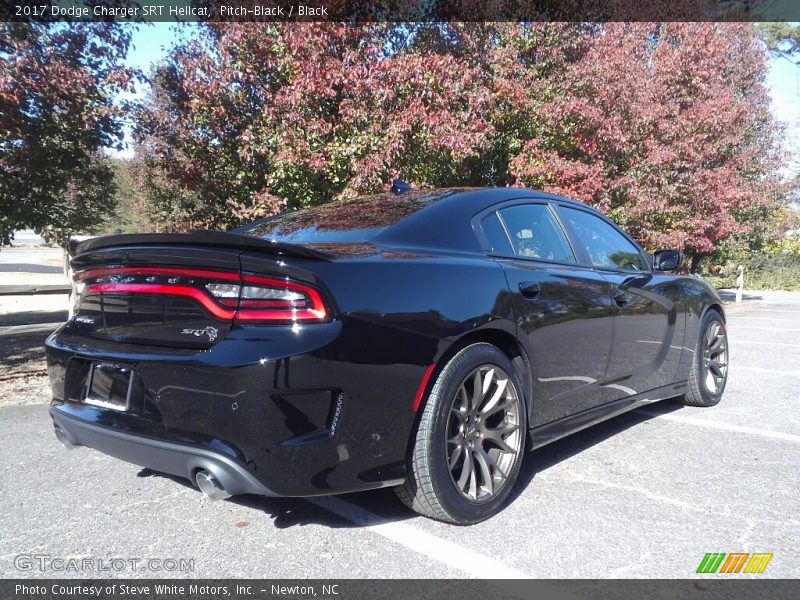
pixel 709 372
pixel 468 446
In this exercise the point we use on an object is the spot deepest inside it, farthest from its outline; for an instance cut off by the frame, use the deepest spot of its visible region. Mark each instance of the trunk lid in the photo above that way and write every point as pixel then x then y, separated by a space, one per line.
pixel 183 290
pixel 155 295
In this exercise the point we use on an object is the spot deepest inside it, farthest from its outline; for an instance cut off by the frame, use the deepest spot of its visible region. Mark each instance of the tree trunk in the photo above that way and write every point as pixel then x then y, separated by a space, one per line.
pixel 694 262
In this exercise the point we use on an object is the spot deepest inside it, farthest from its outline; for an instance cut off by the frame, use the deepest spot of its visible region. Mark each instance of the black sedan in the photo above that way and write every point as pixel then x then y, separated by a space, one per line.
pixel 418 339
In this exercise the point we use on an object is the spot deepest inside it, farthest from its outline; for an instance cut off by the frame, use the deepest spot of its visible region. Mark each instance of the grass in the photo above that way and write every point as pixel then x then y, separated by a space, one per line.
pixel 721 283
pixel 765 272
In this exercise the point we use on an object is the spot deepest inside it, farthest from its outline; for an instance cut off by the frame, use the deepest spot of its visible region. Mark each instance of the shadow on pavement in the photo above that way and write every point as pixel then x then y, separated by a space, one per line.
pixel 377 506
pixel 34 317
pixel 291 512
pixel 383 506
pixel 543 458
pixel 730 296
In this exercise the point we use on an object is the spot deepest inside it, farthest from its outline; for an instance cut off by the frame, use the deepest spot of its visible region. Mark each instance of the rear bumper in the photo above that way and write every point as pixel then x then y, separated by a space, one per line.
pixel 181 460
pixel 293 409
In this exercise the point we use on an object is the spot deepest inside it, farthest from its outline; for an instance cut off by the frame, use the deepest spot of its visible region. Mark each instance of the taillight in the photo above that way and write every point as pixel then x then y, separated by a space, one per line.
pixel 266 299
pixel 227 296
pixel 227 293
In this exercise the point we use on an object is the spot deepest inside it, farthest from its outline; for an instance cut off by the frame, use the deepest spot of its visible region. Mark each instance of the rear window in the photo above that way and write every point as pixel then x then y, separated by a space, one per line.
pixel 496 235
pixel 349 221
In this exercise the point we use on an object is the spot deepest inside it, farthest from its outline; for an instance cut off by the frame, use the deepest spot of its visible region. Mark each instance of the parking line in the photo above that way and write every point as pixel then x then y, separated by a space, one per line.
pixel 478 565
pixel 737 341
pixel 784 372
pixel 759 318
pixel 775 435
pixel 735 327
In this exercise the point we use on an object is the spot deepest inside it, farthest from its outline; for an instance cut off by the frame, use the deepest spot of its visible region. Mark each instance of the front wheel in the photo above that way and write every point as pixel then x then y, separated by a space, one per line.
pixel 709 372
pixel 470 440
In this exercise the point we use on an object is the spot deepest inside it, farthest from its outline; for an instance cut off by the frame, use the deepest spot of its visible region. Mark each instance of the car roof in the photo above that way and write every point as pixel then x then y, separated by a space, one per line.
pixel 431 219
pixel 446 224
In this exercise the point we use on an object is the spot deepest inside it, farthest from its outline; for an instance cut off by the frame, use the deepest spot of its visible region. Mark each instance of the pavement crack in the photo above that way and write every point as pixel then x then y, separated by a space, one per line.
pixel 151 500
pixel 645 492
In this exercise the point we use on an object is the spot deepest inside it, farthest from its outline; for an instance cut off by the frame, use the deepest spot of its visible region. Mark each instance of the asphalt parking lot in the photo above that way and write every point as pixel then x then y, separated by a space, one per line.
pixel 644 495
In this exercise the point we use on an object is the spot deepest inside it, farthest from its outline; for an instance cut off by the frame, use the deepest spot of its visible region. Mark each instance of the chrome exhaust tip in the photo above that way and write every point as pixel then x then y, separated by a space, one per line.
pixel 210 486
pixel 62 437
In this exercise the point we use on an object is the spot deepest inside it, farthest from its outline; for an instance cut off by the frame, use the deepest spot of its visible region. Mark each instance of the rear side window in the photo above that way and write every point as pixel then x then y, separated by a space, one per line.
pixel 495 235
pixel 535 233
pixel 607 248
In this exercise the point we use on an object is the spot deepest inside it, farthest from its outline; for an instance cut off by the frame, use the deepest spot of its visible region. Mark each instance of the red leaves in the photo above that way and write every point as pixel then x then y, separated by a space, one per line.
pixel 667 109
pixel 665 125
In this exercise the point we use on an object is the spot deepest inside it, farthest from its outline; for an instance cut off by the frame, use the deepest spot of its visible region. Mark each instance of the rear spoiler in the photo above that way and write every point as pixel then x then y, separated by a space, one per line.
pixel 217 239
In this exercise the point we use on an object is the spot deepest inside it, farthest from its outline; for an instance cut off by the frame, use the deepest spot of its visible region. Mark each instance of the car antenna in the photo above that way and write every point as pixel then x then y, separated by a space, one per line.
pixel 400 187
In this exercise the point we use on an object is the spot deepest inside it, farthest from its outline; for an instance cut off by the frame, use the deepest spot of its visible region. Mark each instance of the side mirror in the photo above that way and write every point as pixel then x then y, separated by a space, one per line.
pixel 667 260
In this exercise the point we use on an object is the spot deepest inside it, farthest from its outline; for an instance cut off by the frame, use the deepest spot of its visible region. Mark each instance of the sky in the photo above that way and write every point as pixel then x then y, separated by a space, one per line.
pixel 150 44
pixel 783 80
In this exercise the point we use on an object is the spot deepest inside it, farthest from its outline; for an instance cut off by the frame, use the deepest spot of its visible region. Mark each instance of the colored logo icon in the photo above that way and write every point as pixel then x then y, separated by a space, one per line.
pixel 734 562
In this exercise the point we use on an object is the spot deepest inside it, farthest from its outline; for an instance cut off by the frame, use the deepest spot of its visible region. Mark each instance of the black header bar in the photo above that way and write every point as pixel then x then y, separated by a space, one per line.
pixel 709 588
pixel 151 11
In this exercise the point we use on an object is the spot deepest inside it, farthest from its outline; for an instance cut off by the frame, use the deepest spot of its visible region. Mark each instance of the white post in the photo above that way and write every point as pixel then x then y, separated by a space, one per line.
pixel 739 282
pixel 68 274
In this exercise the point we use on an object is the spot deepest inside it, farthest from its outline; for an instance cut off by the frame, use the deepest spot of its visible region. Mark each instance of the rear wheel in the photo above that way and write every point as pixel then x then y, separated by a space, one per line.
pixel 470 439
pixel 709 372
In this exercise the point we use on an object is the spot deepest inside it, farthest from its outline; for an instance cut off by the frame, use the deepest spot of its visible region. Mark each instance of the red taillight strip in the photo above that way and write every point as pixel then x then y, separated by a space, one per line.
pixel 317 311
pixel 157 271
pixel 426 377
pixel 169 290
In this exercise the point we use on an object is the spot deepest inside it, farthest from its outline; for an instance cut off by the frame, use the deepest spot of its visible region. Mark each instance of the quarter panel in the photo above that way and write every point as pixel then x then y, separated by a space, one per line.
pixel 309 408
pixel 396 314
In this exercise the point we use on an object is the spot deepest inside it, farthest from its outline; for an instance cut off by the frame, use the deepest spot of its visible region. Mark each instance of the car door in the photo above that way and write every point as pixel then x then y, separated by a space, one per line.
pixel 643 354
pixel 564 311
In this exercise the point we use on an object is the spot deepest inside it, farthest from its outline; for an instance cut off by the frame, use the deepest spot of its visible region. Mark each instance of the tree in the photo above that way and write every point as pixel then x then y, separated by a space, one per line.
pixel 132 213
pixel 666 126
pixel 777 33
pixel 249 117
pixel 58 83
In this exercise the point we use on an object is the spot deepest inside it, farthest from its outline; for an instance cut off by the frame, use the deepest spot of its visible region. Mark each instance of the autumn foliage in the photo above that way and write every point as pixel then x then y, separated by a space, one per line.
pixel 668 129
pixel 58 85
pixel 666 126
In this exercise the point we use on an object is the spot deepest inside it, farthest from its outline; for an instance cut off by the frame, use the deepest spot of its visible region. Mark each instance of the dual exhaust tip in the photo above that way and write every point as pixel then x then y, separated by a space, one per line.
pixel 210 486
pixel 64 439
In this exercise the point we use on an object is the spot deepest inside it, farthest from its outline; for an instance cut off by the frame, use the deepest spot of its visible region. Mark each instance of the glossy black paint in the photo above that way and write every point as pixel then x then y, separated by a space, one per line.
pixel 316 408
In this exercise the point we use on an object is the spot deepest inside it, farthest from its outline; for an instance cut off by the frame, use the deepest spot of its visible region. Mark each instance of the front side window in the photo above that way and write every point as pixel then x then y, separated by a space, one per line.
pixel 535 233
pixel 607 248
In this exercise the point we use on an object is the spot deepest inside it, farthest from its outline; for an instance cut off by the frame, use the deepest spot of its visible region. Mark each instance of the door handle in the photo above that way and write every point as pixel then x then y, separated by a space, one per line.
pixel 529 289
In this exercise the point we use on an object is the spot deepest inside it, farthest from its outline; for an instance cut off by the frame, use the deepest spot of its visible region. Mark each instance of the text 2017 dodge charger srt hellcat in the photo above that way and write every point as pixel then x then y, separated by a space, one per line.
pixel 419 340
